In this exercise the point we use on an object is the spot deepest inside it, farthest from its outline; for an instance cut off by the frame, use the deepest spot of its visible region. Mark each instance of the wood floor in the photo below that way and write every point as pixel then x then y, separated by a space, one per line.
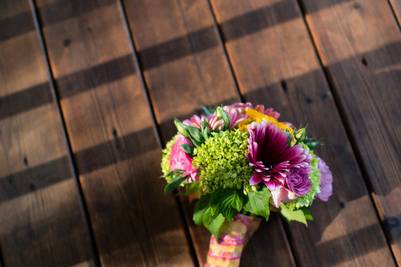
pixel 88 91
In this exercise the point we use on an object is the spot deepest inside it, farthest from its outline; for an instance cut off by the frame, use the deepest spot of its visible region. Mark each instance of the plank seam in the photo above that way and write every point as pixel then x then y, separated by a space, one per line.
pixel 392 8
pixel 1 257
pixel 346 123
pixel 222 42
pixel 139 66
pixel 73 166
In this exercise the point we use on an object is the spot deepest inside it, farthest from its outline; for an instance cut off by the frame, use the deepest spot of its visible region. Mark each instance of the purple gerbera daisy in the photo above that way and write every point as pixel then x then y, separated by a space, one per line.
pixel 275 162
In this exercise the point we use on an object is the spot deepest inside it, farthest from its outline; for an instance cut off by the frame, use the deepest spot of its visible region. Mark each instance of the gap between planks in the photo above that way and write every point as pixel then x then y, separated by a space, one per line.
pixel 393 8
pixel 1 257
pixel 242 98
pixel 71 161
pixel 155 126
pixel 346 123
pixel 343 119
pixel 222 42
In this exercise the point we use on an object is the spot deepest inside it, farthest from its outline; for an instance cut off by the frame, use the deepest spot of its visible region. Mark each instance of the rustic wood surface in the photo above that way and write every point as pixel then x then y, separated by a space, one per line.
pixel 184 36
pixel 286 75
pixel 79 161
pixel 41 222
pixel 361 51
pixel 114 145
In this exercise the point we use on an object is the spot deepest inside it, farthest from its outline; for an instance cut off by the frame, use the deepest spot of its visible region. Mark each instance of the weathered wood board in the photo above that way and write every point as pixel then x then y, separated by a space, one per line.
pixel 112 136
pixel 275 64
pixel 360 45
pixel 191 53
pixel 185 67
pixel 38 206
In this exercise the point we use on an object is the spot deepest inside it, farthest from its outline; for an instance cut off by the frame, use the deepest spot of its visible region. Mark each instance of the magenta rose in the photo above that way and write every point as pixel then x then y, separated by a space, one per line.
pixel 180 160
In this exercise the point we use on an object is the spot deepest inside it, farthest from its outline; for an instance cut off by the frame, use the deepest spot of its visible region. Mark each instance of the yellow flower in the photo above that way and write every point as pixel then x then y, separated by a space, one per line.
pixel 256 116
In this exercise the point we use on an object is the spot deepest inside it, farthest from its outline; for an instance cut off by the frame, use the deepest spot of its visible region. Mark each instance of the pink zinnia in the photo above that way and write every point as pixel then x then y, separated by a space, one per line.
pixel 180 160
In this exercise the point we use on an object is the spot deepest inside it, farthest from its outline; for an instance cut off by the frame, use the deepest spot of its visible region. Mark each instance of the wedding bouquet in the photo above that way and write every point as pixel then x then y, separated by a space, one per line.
pixel 241 163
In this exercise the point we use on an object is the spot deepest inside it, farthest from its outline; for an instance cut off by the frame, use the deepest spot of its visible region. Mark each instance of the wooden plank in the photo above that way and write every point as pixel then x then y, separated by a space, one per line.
pixel 111 132
pixel 185 67
pixel 10 29
pixel 360 44
pixel 276 65
pixel 37 209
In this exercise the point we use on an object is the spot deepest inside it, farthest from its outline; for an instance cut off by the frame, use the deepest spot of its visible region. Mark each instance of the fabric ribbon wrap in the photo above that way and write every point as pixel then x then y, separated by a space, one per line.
pixel 226 252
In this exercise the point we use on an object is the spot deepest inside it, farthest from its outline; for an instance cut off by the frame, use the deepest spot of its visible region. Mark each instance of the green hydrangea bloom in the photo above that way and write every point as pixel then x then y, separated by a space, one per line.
pixel 222 161
pixel 306 200
pixel 166 159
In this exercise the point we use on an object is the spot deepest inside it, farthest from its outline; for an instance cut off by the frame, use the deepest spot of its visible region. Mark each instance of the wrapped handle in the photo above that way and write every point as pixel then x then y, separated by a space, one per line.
pixel 226 252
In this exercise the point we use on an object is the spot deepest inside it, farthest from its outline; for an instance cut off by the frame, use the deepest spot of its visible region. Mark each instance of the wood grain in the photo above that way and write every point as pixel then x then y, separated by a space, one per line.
pixel 360 45
pixel 184 68
pixel 276 65
pixel 111 132
pixel 37 209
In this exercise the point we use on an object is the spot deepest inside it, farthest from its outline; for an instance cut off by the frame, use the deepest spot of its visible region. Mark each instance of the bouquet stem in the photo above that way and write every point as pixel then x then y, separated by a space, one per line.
pixel 226 252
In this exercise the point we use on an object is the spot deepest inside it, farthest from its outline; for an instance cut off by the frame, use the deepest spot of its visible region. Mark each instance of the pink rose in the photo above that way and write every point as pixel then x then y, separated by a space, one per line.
pixel 180 160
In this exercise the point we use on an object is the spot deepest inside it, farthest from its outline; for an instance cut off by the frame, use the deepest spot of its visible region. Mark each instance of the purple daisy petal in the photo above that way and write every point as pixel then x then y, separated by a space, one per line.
pixel 275 162
pixel 256 178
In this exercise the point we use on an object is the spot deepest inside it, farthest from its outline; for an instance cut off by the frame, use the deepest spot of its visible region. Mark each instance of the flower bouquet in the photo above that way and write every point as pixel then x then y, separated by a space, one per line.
pixel 240 162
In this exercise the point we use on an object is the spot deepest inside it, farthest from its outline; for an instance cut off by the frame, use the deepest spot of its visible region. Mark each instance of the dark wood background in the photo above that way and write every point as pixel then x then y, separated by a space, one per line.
pixel 88 91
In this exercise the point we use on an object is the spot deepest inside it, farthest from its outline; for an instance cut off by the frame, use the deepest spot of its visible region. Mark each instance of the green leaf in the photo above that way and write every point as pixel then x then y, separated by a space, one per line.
pixel 173 175
pixel 188 149
pixel 293 215
pixel 216 225
pixel 235 201
pixel 181 127
pixel 223 115
pixel 208 216
pixel 289 138
pixel 258 203
pixel 201 205
pixel 195 135
pixel 300 134
pixel 307 213
pixel 311 143
pixel 207 110
pixel 205 129
pixel 192 188
pixel 174 184
pixel 197 216
pixel 228 202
